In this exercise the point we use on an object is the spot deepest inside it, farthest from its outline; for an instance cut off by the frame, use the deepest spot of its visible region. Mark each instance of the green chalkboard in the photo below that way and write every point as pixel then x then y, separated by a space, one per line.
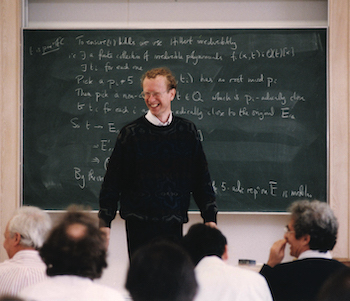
pixel 258 98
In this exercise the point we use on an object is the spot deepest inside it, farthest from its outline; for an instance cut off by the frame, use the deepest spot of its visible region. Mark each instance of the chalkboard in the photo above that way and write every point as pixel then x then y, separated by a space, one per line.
pixel 258 98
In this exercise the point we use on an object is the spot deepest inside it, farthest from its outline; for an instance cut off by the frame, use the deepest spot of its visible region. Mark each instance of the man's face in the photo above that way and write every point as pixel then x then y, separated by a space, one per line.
pixel 158 98
pixel 297 246
pixel 9 243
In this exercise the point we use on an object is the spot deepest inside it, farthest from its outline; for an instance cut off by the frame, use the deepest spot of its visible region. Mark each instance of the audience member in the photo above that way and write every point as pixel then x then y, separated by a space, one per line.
pixel 217 280
pixel 311 234
pixel 161 271
pixel 75 254
pixel 24 235
pixel 337 287
pixel 10 298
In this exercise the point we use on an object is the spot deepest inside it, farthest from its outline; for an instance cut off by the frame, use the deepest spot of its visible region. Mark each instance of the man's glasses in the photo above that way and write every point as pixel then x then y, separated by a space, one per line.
pixel 147 95
pixel 286 230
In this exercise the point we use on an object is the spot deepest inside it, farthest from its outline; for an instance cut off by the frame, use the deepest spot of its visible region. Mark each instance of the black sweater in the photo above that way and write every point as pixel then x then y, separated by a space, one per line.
pixel 299 280
pixel 153 171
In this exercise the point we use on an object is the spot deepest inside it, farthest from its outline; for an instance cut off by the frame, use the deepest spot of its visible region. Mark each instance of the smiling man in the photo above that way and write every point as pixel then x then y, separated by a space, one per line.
pixel 311 233
pixel 157 163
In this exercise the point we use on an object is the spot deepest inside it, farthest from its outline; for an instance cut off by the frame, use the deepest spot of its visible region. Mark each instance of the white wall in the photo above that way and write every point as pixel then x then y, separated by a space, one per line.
pixel 175 13
pixel 249 235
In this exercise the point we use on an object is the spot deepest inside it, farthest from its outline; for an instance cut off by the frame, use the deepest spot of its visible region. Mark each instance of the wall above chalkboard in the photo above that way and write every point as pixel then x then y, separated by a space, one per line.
pixel 258 98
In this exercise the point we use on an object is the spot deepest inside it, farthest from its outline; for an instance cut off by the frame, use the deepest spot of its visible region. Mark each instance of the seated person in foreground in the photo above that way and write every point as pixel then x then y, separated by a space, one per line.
pixel 337 287
pixel 24 235
pixel 10 298
pixel 75 254
pixel 161 271
pixel 217 280
pixel 311 234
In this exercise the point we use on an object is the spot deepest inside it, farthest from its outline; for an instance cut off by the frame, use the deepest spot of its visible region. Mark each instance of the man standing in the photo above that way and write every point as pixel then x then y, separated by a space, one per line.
pixel 24 235
pixel 157 162
pixel 311 234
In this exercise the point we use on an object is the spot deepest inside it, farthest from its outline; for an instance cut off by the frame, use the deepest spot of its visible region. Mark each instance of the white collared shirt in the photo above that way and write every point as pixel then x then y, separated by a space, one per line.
pixel 154 120
pixel 315 254
pixel 23 269
pixel 220 281
pixel 70 288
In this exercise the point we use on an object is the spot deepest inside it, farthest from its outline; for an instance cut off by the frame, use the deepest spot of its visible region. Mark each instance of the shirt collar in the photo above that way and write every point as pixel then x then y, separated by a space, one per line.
pixel 315 254
pixel 154 120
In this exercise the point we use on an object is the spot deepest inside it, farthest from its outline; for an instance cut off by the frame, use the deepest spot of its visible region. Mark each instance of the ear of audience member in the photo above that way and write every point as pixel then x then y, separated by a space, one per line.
pixel 337 287
pixel 161 271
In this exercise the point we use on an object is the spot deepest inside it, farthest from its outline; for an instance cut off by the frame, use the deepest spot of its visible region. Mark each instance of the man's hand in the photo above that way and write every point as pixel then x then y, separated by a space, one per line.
pixel 277 252
pixel 107 232
pixel 211 224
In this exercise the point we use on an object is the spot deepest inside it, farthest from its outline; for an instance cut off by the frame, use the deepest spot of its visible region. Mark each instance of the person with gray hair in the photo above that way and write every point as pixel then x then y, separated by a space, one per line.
pixel 25 234
pixel 311 234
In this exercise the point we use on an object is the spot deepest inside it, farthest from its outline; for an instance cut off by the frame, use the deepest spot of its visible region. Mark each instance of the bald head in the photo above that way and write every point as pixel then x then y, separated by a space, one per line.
pixel 76 231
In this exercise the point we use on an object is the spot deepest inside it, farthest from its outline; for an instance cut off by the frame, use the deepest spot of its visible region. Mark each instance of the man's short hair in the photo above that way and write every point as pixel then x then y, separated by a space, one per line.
pixel 76 246
pixel 161 271
pixel 317 220
pixel 32 223
pixel 202 240
pixel 162 71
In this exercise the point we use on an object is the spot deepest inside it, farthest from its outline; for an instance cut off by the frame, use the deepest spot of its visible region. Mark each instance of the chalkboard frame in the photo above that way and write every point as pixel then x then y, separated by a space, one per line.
pixel 236 184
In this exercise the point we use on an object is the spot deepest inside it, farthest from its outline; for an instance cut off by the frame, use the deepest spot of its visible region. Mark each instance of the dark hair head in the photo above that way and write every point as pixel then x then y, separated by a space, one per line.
pixel 10 298
pixel 76 246
pixel 337 287
pixel 202 240
pixel 162 71
pixel 317 220
pixel 161 271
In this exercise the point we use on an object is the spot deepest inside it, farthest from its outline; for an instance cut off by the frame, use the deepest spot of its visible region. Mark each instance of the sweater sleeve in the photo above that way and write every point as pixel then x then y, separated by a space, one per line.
pixel 265 270
pixel 203 192
pixel 110 189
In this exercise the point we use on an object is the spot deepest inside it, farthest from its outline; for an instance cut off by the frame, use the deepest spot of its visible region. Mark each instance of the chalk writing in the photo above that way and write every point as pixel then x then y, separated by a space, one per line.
pixel 270 189
pixel 53 46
